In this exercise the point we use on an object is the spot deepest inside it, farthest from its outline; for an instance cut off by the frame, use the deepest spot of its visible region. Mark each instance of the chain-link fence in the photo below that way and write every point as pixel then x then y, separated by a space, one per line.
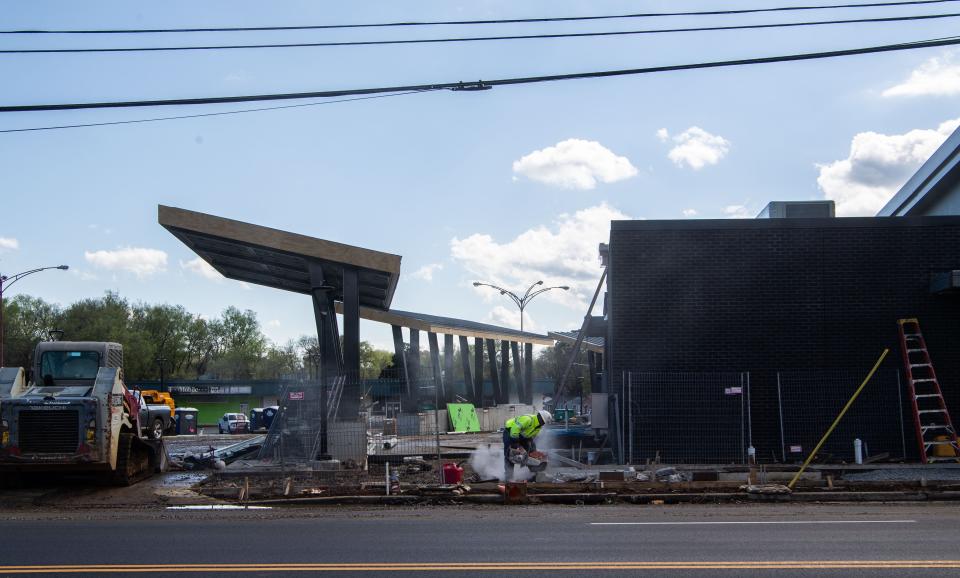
pixel 686 417
pixel 810 401
pixel 715 418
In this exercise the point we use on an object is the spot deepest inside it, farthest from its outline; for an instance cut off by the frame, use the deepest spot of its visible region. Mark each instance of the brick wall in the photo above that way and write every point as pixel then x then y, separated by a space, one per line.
pixel 780 294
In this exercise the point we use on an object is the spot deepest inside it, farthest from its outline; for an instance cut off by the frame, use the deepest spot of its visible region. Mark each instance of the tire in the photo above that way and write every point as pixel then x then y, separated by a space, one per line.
pixel 156 431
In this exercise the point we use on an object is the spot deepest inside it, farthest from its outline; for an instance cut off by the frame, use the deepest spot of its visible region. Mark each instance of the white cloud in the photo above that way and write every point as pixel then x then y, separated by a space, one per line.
pixel 695 147
pixel 877 166
pixel 273 323
pixel 737 212
pixel 510 317
pixel 9 244
pixel 562 254
pixel 689 212
pixel 83 275
pixel 200 267
pixel 139 261
pixel 939 76
pixel 575 164
pixel 426 272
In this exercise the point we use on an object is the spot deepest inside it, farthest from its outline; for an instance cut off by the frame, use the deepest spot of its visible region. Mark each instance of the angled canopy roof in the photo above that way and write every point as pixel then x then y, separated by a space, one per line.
pixel 279 259
pixel 449 325
pixel 590 343
pixel 926 189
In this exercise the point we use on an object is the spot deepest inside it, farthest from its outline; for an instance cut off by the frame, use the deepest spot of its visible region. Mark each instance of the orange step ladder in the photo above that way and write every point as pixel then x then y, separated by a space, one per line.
pixel 936 435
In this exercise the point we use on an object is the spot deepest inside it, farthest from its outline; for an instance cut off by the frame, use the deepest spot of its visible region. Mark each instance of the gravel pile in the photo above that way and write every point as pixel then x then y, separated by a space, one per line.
pixel 904 475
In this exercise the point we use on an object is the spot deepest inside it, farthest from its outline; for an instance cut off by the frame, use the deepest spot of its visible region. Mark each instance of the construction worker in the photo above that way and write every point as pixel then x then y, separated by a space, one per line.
pixel 520 431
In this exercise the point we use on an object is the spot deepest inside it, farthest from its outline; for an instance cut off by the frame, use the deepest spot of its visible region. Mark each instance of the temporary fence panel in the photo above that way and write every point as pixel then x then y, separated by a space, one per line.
pixel 811 400
pixel 685 417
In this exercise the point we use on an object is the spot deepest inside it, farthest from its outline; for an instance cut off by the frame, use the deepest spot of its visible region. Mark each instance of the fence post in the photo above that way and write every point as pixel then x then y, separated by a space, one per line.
pixel 783 442
pixel 630 413
pixel 903 436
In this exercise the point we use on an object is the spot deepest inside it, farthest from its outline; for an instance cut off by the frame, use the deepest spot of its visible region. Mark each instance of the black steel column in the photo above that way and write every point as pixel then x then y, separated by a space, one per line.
pixel 465 362
pixel 413 359
pixel 592 362
pixel 400 354
pixel 528 373
pixel 478 372
pixel 435 363
pixel 322 311
pixel 494 373
pixel 448 368
pixel 504 371
pixel 351 324
pixel 521 393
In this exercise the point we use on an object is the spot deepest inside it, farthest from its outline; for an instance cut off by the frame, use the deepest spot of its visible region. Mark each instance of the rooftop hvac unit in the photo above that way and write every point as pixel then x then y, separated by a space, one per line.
pixel 798 210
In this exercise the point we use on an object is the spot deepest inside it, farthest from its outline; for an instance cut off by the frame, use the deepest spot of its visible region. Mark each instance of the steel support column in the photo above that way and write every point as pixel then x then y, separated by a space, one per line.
pixel 528 373
pixel 400 354
pixel 505 371
pixel 435 364
pixel 520 393
pixel 448 368
pixel 465 362
pixel 478 372
pixel 351 324
pixel 327 339
pixel 494 373
pixel 413 359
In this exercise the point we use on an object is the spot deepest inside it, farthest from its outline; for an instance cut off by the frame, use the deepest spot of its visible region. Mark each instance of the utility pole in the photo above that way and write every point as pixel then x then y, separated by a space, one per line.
pixel 7 281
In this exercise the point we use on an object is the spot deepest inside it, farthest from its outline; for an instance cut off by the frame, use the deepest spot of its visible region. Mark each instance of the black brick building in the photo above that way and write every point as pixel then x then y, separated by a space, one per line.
pixel 771 297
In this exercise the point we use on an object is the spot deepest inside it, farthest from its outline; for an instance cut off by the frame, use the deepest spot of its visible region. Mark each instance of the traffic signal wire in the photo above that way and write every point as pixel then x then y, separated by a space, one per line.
pixel 488 84
pixel 482 38
pixel 484 22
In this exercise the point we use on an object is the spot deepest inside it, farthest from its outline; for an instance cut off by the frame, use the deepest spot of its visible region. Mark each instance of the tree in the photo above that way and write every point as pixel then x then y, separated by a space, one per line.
pixel 26 321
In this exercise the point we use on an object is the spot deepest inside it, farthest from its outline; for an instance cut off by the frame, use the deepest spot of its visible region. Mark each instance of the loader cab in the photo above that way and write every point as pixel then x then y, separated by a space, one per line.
pixel 73 364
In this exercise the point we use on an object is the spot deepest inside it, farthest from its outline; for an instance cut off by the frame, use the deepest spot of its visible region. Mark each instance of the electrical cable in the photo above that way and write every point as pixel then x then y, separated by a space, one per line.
pixel 478 22
pixel 223 113
pixel 488 84
pixel 484 38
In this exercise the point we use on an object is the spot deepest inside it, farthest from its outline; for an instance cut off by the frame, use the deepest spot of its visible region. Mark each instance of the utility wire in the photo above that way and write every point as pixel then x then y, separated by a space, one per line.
pixel 482 38
pixel 474 22
pixel 487 84
pixel 242 111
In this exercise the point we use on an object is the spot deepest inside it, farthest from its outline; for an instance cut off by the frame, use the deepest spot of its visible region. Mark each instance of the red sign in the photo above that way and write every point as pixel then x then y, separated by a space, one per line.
pixel 296 396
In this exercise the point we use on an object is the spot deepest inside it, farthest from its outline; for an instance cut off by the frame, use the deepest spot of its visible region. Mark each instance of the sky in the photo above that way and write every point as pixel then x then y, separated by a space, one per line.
pixel 507 186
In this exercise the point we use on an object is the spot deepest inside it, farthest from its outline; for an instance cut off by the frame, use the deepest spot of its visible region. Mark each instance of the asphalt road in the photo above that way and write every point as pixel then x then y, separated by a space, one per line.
pixel 691 540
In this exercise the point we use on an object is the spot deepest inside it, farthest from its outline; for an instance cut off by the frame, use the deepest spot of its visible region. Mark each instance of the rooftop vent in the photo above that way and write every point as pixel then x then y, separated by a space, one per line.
pixel 798 210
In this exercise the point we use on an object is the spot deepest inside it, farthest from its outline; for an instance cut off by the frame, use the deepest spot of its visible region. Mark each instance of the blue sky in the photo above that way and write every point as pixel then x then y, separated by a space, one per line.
pixel 509 185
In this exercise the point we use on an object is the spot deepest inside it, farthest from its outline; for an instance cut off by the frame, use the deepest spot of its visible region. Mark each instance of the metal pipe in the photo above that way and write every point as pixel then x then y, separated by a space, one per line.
pixel 836 421
pixel 783 446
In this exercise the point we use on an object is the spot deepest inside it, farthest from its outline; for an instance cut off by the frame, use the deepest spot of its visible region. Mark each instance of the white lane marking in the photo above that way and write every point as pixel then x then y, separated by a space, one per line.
pixel 219 507
pixel 753 522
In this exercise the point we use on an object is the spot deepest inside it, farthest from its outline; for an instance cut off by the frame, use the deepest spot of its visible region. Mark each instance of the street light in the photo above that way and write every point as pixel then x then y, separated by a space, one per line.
pixel 6 281
pixel 522 302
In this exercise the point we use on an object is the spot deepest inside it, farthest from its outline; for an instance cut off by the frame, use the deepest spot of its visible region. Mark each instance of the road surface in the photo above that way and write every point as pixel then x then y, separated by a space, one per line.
pixel 680 540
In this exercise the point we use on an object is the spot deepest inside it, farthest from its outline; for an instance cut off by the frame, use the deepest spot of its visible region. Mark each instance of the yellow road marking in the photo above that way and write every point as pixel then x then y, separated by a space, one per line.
pixel 460 566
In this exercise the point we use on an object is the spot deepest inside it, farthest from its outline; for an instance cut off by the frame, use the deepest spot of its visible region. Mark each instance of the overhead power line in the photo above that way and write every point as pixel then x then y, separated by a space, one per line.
pixel 487 84
pixel 483 38
pixel 478 22
pixel 206 114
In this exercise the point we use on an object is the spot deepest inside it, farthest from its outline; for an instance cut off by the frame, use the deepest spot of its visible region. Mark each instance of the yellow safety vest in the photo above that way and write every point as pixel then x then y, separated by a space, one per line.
pixel 523 426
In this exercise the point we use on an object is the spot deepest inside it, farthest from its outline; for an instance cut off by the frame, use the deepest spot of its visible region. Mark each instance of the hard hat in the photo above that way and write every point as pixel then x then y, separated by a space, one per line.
pixel 545 416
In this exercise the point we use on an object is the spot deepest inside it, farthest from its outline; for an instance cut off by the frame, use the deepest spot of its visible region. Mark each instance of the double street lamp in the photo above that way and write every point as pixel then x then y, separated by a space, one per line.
pixel 522 301
pixel 8 280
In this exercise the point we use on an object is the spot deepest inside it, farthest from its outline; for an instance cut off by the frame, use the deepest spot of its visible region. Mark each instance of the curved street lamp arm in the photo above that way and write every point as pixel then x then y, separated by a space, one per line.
pixel 502 291
pixel 14 278
pixel 544 290
pixel 529 289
